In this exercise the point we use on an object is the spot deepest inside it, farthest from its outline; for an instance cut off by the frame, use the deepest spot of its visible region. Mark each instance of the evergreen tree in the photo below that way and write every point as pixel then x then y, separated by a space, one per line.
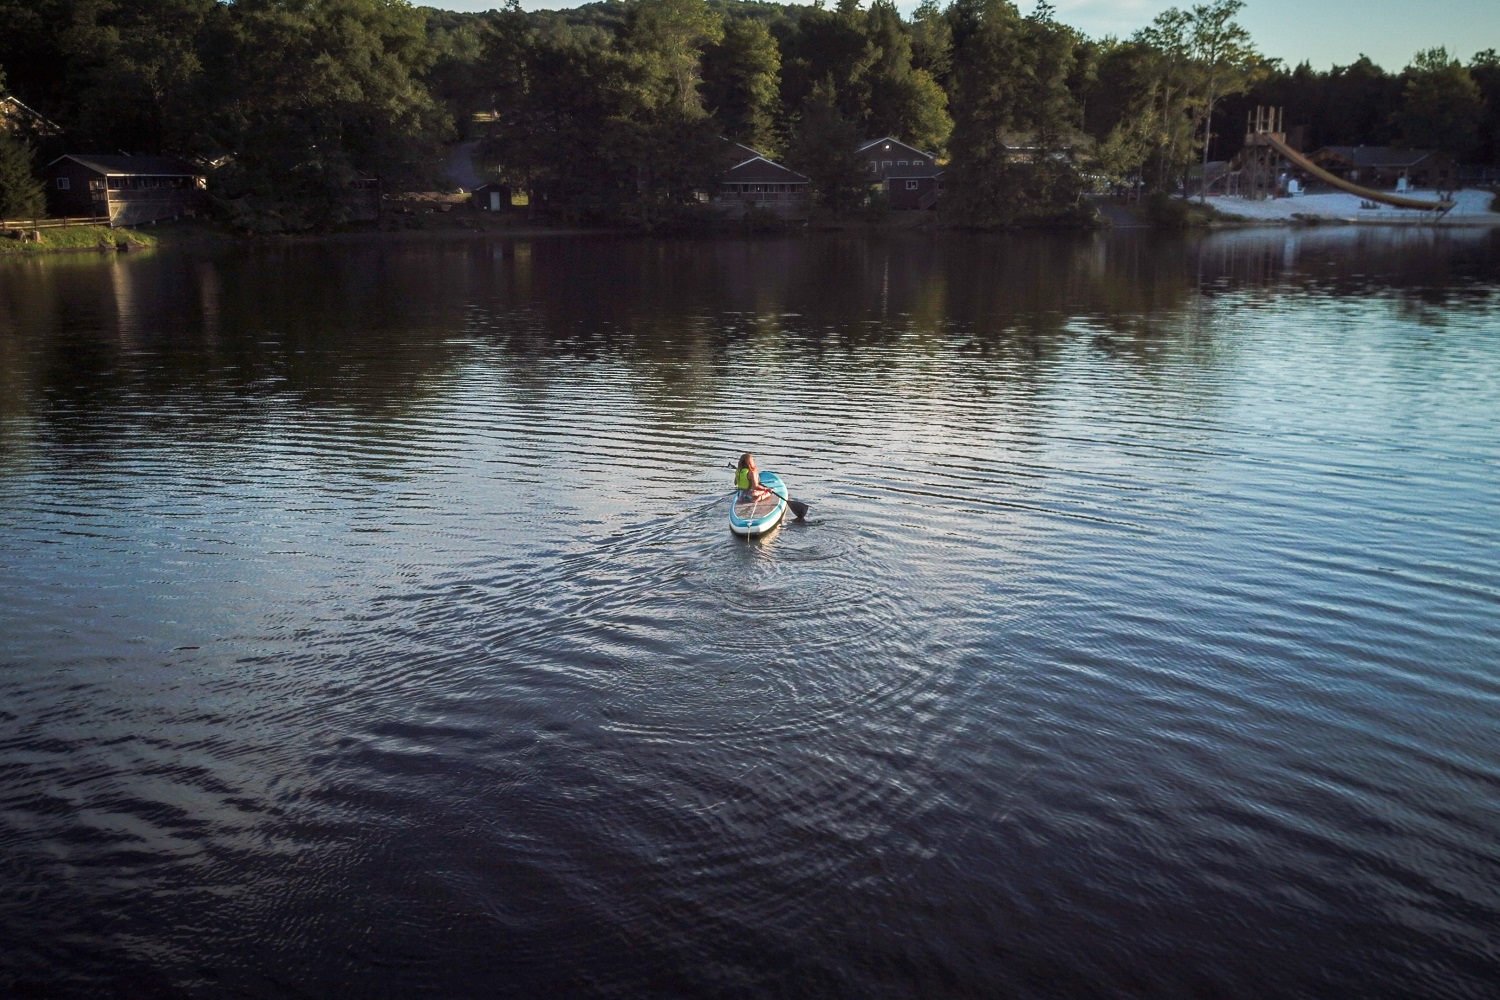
pixel 22 196
pixel 822 147
pixel 1485 70
pixel 904 102
pixel 828 47
pixel 1011 81
pixel 1441 107
pixel 931 41
pixel 742 84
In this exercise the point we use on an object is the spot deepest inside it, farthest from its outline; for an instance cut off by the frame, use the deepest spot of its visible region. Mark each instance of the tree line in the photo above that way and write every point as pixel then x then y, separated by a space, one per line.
pixel 616 110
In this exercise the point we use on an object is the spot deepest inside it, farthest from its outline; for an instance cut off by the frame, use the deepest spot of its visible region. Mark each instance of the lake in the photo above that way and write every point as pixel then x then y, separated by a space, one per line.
pixel 370 624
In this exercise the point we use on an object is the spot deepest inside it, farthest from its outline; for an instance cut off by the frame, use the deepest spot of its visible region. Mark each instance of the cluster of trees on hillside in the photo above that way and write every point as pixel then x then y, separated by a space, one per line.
pixel 615 109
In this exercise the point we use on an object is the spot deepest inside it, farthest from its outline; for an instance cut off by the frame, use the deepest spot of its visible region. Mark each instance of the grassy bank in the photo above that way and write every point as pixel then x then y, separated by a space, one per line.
pixel 76 238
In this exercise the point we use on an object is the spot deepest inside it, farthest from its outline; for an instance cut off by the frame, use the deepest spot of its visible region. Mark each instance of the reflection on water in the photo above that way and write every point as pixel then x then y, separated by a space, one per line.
pixel 371 625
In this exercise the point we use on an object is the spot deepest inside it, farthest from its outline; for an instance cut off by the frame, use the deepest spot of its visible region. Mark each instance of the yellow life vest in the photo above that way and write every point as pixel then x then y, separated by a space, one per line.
pixel 742 479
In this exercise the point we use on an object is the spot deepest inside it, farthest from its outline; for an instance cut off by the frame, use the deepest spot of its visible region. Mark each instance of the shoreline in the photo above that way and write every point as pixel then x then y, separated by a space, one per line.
pixel 1217 213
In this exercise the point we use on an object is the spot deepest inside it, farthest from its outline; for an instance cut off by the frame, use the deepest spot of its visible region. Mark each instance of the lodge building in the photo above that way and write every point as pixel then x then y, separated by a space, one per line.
pixel 126 190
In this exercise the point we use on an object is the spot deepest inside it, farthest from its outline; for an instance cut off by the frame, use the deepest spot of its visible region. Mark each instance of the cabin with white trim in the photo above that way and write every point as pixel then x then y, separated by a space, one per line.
pixel 909 177
pixel 760 183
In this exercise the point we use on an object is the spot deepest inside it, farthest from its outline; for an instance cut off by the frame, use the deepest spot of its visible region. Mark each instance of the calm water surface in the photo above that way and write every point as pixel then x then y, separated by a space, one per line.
pixel 370 625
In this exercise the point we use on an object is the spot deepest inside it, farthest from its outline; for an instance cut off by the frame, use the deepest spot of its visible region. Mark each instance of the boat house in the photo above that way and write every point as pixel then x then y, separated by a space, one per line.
pixel 126 190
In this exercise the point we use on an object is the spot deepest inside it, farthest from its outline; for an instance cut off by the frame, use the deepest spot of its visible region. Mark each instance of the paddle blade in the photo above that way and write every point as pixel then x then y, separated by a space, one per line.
pixel 798 508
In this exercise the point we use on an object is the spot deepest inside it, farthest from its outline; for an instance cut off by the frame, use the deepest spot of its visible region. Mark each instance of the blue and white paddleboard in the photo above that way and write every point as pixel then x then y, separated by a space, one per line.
pixel 756 517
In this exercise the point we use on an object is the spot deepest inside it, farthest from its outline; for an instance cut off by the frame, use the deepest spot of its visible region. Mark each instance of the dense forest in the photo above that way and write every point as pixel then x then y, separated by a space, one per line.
pixel 616 109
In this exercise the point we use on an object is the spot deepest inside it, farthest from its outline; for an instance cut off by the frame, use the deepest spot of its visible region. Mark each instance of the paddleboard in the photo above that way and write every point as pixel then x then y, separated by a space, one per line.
pixel 756 517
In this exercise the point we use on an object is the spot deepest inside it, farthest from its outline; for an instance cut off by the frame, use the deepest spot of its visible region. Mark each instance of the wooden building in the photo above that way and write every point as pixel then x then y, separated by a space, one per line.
pixel 909 177
pixel 127 190
pixel 880 156
pixel 914 188
pixel 1386 167
pixel 491 197
pixel 362 204
pixel 762 184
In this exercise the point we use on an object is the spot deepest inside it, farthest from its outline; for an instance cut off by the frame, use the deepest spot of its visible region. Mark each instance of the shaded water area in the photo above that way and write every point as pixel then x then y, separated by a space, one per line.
pixel 370 625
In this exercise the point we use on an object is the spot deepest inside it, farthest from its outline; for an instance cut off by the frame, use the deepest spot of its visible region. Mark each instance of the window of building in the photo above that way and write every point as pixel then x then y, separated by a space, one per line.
pixel 911 185
pixel 918 162
pixel 901 163
pixel 63 184
pixel 885 163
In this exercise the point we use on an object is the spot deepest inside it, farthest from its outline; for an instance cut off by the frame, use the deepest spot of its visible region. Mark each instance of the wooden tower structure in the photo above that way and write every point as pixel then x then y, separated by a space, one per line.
pixel 1260 163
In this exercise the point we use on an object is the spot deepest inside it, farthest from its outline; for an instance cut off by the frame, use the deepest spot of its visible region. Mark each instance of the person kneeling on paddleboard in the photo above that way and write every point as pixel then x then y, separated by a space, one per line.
pixel 747 480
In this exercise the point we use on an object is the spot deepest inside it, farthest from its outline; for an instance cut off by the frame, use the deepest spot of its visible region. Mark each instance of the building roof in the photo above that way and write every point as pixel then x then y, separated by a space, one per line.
pixel 138 166
pixel 891 141
pixel 1376 156
pixel 758 169
pixel 14 114
pixel 743 152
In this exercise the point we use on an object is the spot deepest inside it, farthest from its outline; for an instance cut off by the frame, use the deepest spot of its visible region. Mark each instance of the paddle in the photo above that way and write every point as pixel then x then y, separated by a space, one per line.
pixel 798 508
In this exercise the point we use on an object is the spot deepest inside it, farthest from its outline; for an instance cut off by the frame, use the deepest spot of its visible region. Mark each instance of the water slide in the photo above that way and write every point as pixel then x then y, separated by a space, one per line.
pixel 1301 162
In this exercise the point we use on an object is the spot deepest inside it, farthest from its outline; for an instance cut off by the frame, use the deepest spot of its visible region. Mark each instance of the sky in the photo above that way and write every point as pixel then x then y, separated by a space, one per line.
pixel 1322 32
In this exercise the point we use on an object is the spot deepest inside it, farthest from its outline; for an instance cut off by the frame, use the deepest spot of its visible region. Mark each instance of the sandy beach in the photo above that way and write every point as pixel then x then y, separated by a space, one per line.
pixel 1475 207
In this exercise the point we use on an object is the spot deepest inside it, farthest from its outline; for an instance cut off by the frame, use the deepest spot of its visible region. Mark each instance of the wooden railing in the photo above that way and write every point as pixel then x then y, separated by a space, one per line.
pixel 82 220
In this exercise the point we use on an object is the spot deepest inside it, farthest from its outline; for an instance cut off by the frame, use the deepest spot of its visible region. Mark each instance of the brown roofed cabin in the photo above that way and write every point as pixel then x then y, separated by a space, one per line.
pixel 127 190
pixel 762 184
pixel 910 177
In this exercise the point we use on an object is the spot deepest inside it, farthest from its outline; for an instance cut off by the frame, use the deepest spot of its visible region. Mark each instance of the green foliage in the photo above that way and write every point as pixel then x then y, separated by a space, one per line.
pixel 1124 153
pixel 1441 108
pixel 53 239
pixel 612 110
pixel 1166 212
pixel 1015 117
pixel 1485 69
pixel 931 41
pixel 455 79
pixel 315 95
pixel 139 72
pixel 21 194
pixel 666 39
pixel 903 102
pixel 1225 62
pixel 741 78
pixel 828 46
pixel 822 147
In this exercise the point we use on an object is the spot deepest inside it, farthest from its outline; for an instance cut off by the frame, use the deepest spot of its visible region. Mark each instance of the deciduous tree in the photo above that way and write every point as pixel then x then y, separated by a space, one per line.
pixel 1224 60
